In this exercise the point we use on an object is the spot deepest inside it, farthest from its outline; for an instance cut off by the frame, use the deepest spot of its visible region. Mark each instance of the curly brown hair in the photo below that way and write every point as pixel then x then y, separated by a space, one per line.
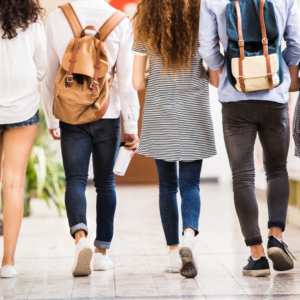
pixel 18 14
pixel 170 29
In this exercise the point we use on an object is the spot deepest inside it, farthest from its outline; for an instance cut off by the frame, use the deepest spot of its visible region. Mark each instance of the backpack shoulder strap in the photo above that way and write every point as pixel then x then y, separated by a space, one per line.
pixel 72 18
pixel 112 22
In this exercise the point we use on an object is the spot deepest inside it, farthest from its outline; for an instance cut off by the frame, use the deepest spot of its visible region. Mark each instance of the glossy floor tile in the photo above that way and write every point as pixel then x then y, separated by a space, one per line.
pixel 45 254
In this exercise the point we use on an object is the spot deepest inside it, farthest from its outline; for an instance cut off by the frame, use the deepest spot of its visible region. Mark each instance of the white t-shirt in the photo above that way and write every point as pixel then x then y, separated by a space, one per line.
pixel 123 97
pixel 23 63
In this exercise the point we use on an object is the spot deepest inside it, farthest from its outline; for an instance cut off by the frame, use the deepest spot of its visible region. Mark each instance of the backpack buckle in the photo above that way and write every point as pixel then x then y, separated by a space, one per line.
pixel 92 85
pixel 265 40
pixel 69 81
pixel 241 43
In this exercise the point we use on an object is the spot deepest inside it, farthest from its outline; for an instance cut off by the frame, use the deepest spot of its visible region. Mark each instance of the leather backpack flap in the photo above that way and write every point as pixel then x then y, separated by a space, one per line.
pixel 255 72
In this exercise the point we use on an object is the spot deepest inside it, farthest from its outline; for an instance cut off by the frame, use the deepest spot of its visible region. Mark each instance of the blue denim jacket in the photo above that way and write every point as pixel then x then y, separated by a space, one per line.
pixel 213 29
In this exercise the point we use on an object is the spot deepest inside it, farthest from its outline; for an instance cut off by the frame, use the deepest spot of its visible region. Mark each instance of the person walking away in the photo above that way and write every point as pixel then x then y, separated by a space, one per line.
pixel 255 104
pixel 177 127
pixel 81 134
pixel 23 64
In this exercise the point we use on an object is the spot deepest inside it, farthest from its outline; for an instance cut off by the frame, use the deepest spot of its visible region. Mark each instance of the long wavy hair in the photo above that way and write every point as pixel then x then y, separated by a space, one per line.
pixel 18 14
pixel 170 29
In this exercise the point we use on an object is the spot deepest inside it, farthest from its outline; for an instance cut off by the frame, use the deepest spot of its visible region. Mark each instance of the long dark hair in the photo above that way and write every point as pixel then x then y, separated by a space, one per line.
pixel 15 14
pixel 170 28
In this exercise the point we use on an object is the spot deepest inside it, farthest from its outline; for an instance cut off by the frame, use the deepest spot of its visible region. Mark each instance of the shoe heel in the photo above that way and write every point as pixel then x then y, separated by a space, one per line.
pixel 188 268
pixel 83 266
pixel 281 261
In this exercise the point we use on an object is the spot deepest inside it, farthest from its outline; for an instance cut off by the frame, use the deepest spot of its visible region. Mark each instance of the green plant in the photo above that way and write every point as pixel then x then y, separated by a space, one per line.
pixel 45 178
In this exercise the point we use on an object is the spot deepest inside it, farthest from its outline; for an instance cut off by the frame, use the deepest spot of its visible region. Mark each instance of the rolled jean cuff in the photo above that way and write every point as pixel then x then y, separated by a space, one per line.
pixel 196 230
pixel 78 227
pixel 277 223
pixel 102 245
pixel 254 241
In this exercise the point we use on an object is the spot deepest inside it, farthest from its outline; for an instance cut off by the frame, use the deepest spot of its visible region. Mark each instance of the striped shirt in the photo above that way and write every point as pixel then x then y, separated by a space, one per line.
pixel 296 128
pixel 177 124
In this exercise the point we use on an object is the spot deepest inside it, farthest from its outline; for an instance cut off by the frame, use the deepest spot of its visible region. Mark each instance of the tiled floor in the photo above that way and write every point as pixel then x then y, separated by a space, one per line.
pixel 45 255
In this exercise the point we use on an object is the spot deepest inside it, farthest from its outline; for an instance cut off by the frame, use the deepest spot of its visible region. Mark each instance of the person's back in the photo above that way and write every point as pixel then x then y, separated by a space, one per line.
pixel 177 127
pixel 59 34
pixel 100 138
pixel 23 65
pixel 246 115
pixel 213 17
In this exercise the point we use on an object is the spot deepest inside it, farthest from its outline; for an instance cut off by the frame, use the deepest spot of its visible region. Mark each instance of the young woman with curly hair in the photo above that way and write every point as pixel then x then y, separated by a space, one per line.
pixel 23 64
pixel 177 127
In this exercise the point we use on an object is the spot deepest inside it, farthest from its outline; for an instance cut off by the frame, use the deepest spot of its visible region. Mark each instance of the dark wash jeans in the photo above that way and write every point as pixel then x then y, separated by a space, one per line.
pixel 242 121
pixel 78 142
pixel 189 180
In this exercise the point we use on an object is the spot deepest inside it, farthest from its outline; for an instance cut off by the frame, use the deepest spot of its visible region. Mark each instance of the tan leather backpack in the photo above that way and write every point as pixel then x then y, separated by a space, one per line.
pixel 81 93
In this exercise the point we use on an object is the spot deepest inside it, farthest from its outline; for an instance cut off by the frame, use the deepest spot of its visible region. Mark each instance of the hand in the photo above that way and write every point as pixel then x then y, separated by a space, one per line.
pixel 55 134
pixel 132 143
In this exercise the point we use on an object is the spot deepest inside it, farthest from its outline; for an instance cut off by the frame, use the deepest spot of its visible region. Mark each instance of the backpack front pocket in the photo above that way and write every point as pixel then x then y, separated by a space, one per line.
pixel 255 72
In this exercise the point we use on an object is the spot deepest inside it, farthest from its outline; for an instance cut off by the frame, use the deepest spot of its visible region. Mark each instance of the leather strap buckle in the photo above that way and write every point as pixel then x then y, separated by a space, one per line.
pixel 69 81
pixel 241 43
pixel 92 85
pixel 265 41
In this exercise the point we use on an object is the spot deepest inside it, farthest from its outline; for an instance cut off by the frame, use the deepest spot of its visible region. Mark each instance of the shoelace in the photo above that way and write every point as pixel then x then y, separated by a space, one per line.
pixel 288 251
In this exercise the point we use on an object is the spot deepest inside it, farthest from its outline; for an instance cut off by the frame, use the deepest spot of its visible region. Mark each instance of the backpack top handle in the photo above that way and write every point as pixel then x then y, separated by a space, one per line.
pixel 242 45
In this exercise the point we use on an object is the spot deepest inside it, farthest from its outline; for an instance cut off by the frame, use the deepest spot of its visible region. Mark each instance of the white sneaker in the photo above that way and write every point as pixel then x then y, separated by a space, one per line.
pixel 189 268
pixel 8 272
pixel 174 261
pixel 102 262
pixel 83 257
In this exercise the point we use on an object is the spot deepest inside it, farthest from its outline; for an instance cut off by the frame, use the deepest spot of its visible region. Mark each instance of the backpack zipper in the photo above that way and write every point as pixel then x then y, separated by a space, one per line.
pixel 71 100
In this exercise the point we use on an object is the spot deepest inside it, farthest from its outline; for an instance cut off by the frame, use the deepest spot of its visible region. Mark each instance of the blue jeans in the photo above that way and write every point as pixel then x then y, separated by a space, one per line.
pixel 78 142
pixel 189 180
pixel 30 122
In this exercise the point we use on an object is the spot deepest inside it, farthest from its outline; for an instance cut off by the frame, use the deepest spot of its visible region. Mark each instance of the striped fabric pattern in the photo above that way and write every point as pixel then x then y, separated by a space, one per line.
pixel 296 128
pixel 177 124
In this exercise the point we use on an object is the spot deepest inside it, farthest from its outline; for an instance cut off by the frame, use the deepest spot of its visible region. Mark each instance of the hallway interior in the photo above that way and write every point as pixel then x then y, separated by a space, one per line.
pixel 45 254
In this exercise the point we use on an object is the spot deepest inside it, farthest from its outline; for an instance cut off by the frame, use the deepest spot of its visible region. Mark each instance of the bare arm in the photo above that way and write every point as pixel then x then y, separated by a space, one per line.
pixel 295 84
pixel 139 78
pixel 215 76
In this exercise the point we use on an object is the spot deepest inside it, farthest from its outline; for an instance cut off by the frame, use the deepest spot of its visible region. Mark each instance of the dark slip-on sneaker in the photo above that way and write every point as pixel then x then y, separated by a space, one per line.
pixel 280 255
pixel 257 268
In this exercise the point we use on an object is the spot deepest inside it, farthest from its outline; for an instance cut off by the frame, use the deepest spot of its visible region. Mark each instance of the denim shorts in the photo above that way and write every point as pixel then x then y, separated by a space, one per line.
pixel 32 121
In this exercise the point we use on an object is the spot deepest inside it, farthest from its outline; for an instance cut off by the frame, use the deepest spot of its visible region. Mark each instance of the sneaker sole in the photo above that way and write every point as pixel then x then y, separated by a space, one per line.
pixel 188 268
pixel 172 270
pixel 281 261
pixel 103 268
pixel 257 273
pixel 83 264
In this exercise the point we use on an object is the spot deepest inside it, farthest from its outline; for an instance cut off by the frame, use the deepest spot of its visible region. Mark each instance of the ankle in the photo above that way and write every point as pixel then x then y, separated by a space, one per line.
pixel 103 251
pixel 276 232
pixel 8 262
pixel 257 251
pixel 190 230
pixel 173 247
pixel 78 235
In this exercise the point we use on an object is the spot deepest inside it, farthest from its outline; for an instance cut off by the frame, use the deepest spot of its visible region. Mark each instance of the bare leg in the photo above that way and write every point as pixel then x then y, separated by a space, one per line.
pixel 17 145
